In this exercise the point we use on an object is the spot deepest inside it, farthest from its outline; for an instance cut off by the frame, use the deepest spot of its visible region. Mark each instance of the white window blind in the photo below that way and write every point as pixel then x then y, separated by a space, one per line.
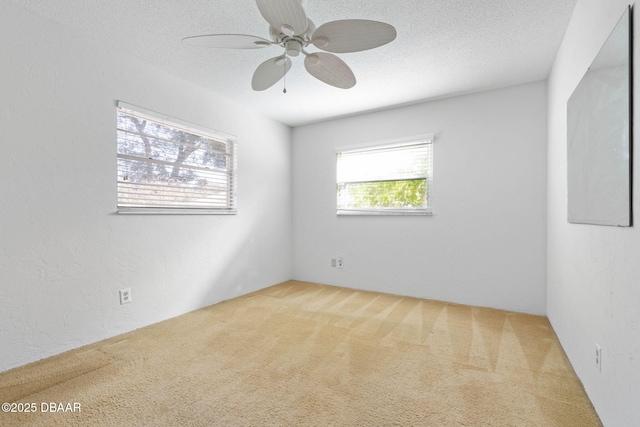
pixel 388 179
pixel 169 166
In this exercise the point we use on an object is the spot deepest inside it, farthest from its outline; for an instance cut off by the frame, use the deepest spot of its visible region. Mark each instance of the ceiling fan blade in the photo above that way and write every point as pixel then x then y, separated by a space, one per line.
pixel 228 41
pixel 286 16
pixel 352 35
pixel 269 72
pixel 330 69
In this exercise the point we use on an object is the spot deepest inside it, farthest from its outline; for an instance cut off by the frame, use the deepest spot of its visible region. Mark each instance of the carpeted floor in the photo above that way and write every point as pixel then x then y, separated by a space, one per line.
pixel 300 354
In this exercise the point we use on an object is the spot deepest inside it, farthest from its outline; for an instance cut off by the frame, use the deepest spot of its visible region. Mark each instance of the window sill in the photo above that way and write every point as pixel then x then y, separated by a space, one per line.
pixel 170 211
pixel 390 212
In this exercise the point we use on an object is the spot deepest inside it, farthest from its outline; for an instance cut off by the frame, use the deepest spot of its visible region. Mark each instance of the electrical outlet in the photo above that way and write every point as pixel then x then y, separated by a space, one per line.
pixel 125 296
pixel 598 358
pixel 340 263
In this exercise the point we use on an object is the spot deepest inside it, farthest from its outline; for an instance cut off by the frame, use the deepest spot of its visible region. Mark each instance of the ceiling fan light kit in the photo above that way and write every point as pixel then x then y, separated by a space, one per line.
pixel 290 29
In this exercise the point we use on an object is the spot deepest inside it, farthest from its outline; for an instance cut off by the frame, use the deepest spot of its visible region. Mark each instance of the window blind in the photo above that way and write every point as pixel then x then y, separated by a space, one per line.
pixel 168 166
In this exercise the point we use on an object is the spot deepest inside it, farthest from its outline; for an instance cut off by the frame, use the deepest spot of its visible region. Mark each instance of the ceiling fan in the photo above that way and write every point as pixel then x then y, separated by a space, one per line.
pixel 290 29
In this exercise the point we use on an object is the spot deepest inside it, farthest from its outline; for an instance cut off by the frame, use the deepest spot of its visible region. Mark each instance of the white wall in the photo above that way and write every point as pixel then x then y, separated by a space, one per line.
pixel 593 271
pixel 64 254
pixel 485 244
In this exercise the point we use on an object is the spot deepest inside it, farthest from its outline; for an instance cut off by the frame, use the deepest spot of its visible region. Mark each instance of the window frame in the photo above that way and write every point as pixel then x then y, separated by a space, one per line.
pixel 231 188
pixel 427 210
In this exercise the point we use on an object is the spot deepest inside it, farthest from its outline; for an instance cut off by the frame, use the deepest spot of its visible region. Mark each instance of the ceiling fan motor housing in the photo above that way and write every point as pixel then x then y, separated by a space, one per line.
pixel 278 35
pixel 293 46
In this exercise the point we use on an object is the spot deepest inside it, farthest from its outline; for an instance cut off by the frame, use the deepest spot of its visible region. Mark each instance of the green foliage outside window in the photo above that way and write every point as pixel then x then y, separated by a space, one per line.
pixel 388 194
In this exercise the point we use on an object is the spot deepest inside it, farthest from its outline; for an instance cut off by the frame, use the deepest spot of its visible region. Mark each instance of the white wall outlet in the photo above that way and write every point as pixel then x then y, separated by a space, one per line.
pixel 125 296
pixel 340 263
pixel 598 358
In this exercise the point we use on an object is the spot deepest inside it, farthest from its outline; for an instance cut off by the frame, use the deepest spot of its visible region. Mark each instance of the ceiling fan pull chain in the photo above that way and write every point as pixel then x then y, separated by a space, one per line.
pixel 285 75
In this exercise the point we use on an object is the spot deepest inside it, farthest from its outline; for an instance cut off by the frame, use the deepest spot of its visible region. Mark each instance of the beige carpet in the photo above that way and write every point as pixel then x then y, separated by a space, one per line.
pixel 300 354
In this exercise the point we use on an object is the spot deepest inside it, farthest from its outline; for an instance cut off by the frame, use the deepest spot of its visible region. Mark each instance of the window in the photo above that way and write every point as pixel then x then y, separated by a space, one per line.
pixel 392 178
pixel 168 166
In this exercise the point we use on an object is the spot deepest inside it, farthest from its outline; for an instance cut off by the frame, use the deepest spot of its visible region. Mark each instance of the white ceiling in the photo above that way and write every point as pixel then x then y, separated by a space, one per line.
pixel 443 47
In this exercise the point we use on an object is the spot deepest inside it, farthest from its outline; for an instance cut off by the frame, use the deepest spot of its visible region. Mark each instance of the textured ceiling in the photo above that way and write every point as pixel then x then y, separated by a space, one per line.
pixel 443 47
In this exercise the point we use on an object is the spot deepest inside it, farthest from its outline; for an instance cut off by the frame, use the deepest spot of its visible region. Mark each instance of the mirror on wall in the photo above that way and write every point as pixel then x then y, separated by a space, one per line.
pixel 599 135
